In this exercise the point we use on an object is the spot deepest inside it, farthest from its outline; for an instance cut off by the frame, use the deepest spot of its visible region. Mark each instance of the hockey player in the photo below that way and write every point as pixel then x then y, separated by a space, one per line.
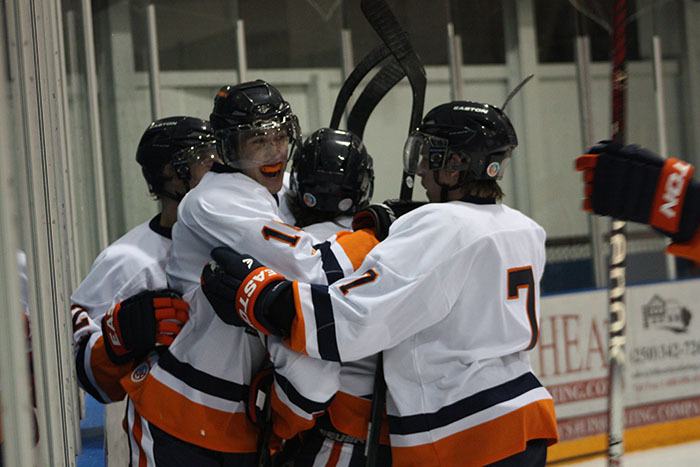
pixel 332 177
pixel 633 184
pixel 174 154
pixel 451 297
pixel 195 397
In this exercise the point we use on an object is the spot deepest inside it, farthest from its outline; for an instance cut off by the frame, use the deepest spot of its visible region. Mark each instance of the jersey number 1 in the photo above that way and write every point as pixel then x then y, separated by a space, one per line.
pixel 523 278
pixel 274 234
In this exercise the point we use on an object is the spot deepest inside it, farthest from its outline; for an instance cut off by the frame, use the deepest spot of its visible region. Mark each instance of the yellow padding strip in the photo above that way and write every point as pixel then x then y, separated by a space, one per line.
pixel 643 437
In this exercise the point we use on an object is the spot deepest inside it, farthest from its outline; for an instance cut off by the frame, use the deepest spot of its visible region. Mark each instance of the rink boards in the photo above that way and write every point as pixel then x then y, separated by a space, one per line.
pixel 662 375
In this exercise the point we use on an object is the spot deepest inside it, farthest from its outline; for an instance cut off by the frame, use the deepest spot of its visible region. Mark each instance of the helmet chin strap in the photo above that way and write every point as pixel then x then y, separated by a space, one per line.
pixel 178 196
pixel 174 196
pixel 446 189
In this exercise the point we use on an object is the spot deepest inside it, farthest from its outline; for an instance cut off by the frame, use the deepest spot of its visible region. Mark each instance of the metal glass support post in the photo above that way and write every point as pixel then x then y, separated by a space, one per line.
pixel 521 61
pixel 71 245
pixel 347 53
pixel 72 90
pixel 153 62
pixel 39 87
pixel 459 62
pixel 241 50
pixel 14 368
pixel 671 270
pixel 454 63
pixel 94 118
pixel 583 82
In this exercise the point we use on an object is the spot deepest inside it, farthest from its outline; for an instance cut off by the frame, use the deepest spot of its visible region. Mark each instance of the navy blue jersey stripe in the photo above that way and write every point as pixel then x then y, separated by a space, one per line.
pixel 463 408
pixel 325 323
pixel 202 381
pixel 331 266
pixel 82 373
pixel 307 405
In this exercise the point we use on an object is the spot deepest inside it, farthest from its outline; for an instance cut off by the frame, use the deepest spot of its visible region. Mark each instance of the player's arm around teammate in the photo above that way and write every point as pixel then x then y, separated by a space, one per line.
pixel 202 381
pixel 451 297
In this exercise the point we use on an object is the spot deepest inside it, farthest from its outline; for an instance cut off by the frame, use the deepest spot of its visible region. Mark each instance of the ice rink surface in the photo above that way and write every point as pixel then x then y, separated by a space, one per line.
pixel 678 455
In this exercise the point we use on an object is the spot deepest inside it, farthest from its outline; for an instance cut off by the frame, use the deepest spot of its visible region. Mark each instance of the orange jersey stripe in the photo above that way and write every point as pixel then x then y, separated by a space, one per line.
pixel 285 423
pixel 189 421
pixel 356 245
pixel 335 454
pixel 486 443
pixel 107 374
pixel 297 339
pixel 350 415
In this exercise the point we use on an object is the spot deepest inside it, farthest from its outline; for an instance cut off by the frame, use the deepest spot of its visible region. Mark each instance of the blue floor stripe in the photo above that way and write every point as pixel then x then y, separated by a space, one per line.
pixel 92 434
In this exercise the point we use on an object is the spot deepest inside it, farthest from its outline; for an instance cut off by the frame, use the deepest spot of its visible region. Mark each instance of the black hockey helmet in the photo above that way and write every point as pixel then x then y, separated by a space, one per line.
pixel 254 108
pixel 177 141
pixel 332 172
pixel 480 134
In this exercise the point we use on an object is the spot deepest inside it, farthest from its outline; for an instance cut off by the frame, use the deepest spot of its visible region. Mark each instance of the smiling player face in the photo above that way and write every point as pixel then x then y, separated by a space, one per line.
pixel 265 156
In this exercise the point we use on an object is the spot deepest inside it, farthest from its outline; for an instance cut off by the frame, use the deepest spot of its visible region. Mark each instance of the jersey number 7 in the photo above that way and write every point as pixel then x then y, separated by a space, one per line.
pixel 523 278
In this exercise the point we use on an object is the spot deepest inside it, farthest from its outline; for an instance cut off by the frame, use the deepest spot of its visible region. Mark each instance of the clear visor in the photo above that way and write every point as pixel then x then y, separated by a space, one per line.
pixel 263 144
pixel 198 153
pixel 421 146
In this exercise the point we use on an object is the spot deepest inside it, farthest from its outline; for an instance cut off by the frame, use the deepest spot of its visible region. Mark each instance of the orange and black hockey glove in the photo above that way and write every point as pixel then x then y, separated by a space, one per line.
pixel 631 183
pixel 243 292
pixel 133 327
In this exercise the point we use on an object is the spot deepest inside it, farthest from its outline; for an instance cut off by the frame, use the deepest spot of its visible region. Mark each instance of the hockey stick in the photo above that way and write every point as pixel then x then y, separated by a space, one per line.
pixel 372 59
pixel 395 38
pixel 263 448
pixel 373 93
pixel 618 253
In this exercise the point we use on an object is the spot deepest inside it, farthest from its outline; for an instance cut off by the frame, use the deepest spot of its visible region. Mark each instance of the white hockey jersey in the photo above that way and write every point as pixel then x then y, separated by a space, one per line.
pixel 284 211
pixel 197 389
pixel 349 412
pixel 132 264
pixel 324 230
pixel 451 297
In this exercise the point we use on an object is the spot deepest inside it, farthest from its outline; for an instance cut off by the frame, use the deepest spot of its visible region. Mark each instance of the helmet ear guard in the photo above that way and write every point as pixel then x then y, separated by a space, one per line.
pixel 332 173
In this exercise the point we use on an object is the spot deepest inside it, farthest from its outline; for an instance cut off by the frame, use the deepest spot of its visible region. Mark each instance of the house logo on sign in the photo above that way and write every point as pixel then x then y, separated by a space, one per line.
pixel 666 314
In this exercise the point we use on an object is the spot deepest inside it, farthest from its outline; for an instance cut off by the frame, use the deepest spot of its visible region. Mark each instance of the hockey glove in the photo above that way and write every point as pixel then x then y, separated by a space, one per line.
pixel 376 217
pixel 83 325
pixel 136 325
pixel 240 290
pixel 401 207
pixel 633 184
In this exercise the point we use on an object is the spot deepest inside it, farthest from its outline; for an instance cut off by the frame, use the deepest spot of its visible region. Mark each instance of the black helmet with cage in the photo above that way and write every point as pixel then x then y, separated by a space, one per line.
pixel 178 141
pixel 332 173
pixel 245 110
pixel 481 135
